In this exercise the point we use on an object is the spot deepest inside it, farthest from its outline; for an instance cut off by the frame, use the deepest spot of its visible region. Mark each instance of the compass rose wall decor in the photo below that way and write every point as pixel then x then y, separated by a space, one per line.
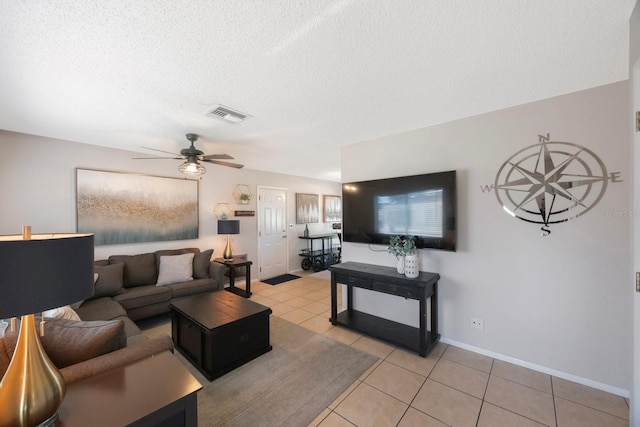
pixel 551 182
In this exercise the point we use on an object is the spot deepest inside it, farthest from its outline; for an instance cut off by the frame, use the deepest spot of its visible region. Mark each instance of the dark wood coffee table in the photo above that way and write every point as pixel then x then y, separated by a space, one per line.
pixel 219 331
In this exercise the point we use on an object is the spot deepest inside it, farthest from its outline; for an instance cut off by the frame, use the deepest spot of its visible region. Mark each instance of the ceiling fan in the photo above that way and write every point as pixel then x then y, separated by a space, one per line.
pixel 193 157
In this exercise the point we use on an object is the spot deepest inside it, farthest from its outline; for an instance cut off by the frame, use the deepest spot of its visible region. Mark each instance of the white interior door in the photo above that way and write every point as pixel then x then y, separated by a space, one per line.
pixel 272 232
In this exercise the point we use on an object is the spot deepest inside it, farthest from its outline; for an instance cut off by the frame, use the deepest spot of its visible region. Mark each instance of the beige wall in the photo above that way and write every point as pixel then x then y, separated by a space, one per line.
pixel 634 74
pixel 558 303
pixel 37 188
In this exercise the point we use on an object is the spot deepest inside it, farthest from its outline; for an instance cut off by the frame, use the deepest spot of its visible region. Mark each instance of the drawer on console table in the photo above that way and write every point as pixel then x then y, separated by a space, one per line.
pixel 394 289
pixel 359 282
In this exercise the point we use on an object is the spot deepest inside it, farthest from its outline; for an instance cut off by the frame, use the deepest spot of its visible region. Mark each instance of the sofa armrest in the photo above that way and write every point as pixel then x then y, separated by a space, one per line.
pixel 116 358
pixel 217 271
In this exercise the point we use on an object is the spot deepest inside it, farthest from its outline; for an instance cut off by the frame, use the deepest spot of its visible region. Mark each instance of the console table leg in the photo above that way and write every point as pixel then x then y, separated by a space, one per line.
pixel 434 310
pixel 248 279
pixel 334 299
pixel 423 324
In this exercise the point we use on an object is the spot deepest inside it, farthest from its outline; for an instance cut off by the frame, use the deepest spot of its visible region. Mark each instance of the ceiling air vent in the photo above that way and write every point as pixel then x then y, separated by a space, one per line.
pixel 227 114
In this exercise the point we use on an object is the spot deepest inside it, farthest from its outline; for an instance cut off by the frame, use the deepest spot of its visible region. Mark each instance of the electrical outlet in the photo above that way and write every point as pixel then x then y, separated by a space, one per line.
pixel 477 323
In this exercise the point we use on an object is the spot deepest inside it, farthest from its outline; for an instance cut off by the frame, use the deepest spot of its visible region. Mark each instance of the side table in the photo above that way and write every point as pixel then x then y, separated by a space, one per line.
pixel 237 262
pixel 154 391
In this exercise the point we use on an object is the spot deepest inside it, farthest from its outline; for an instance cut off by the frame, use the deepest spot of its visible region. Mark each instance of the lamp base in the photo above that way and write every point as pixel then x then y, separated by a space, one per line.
pixel 50 422
pixel 228 252
pixel 32 389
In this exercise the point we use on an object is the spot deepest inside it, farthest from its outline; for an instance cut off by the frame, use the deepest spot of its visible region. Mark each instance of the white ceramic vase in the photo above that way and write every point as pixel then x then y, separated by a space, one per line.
pixel 400 266
pixel 411 265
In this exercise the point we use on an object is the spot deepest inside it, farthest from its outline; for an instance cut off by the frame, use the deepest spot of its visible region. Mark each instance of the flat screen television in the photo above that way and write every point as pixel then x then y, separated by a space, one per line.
pixel 422 206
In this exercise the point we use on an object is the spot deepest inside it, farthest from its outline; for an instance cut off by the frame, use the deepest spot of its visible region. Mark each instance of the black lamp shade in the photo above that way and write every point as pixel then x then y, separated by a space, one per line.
pixel 48 271
pixel 228 226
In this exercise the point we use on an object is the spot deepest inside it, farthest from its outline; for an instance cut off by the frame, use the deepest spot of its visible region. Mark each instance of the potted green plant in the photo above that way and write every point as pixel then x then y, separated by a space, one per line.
pixel 244 198
pixel 400 246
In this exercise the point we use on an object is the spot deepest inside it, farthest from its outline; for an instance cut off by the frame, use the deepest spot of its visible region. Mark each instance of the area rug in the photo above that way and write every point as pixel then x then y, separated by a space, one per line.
pixel 288 386
pixel 280 279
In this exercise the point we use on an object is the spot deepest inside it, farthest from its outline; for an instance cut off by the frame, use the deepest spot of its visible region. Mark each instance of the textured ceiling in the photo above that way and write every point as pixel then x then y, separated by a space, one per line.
pixel 314 75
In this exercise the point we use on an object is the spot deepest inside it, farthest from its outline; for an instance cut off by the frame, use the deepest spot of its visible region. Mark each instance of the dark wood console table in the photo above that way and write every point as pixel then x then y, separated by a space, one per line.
pixel 387 280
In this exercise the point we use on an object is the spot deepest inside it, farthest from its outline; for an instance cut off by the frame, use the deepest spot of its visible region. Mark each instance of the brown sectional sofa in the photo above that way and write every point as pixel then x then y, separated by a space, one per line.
pixel 130 280
pixel 125 290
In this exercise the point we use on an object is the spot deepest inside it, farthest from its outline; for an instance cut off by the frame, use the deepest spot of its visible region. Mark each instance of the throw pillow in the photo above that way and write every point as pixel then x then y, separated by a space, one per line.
pixel 139 270
pixel 175 269
pixel 168 252
pixel 110 280
pixel 65 312
pixel 68 342
pixel 201 264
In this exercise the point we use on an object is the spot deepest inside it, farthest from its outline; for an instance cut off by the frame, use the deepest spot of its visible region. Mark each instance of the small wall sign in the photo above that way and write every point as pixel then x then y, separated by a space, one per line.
pixel 245 213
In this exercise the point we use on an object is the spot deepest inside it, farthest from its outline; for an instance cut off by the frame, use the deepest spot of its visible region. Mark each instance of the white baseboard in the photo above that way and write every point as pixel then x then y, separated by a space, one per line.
pixel 565 376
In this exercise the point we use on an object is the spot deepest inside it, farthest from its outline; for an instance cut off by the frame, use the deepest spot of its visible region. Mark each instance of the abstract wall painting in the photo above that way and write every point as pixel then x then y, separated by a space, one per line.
pixel 332 208
pixel 307 208
pixel 131 208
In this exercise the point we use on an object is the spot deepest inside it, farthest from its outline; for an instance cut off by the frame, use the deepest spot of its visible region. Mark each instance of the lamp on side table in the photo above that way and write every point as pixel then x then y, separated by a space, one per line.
pixel 38 273
pixel 228 226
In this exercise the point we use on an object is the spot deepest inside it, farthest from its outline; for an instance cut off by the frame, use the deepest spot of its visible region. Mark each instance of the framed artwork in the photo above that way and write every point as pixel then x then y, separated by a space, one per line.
pixel 131 208
pixel 307 208
pixel 332 208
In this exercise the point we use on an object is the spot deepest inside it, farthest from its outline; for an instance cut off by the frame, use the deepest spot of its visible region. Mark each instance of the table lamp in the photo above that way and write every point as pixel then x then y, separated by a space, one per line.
pixel 228 227
pixel 38 272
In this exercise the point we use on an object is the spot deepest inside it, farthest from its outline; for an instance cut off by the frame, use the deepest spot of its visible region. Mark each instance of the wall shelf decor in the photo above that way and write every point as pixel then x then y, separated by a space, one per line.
pixel 131 208
pixel 245 213
pixel 222 211
pixel 243 194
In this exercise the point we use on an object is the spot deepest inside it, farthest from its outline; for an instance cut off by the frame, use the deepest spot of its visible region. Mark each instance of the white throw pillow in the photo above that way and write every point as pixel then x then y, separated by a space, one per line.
pixel 65 312
pixel 175 269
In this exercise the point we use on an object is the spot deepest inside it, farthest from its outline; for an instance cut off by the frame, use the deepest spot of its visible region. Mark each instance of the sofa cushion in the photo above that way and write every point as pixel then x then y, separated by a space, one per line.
pixel 131 330
pixel 110 280
pixel 103 308
pixel 193 287
pixel 201 263
pixel 143 295
pixel 139 270
pixel 175 269
pixel 68 342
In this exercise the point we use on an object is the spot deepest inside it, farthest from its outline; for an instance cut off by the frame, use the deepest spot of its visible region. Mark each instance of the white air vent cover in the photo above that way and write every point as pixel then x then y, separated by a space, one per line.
pixel 227 114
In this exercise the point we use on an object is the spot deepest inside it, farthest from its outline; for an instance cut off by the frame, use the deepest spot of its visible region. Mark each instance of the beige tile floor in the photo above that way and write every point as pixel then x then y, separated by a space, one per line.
pixel 450 387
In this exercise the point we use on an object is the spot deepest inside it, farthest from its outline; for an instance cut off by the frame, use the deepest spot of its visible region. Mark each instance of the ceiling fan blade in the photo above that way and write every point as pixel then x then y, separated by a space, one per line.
pixel 217 157
pixel 229 164
pixel 156 158
pixel 162 151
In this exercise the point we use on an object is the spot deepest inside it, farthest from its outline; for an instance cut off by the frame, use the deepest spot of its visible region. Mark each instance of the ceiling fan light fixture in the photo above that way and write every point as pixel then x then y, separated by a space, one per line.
pixel 192 168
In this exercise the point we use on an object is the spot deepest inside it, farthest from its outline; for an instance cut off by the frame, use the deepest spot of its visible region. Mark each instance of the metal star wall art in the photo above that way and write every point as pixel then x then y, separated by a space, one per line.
pixel 551 182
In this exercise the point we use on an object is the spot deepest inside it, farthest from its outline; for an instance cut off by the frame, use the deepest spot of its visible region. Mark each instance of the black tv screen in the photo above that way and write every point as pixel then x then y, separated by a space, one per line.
pixel 422 206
